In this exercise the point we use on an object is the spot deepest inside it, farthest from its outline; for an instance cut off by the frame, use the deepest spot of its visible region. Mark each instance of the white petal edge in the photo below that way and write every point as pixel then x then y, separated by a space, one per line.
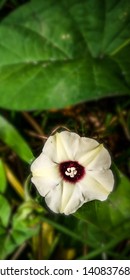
pixel 86 145
pixel 97 159
pixel 44 184
pixel 75 202
pixel 93 189
pixel 58 198
pixel 61 146
pixel 104 177
pixel 41 164
pixel 65 198
pixel 45 174
pixel 53 199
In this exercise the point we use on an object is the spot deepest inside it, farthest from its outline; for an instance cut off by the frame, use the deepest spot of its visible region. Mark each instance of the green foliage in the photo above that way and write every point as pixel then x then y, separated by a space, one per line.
pixel 2 2
pixel 23 225
pixel 2 178
pixel 70 51
pixel 5 211
pixel 10 136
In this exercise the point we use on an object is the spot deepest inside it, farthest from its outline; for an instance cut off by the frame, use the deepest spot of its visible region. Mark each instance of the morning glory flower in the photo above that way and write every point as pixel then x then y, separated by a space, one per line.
pixel 72 170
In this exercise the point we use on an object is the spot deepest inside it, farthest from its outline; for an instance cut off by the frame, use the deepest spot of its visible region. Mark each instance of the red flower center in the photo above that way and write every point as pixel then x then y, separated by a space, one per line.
pixel 71 171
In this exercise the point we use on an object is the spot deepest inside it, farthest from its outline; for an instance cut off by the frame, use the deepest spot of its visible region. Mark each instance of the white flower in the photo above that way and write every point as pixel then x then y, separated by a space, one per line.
pixel 72 170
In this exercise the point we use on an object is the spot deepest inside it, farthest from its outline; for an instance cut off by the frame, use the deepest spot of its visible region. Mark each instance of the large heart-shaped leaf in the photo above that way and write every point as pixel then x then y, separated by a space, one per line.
pixel 57 53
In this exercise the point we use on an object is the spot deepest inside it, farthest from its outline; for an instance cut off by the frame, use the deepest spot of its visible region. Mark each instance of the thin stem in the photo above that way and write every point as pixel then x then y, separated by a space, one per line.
pixel 32 122
pixel 19 251
pixel 123 123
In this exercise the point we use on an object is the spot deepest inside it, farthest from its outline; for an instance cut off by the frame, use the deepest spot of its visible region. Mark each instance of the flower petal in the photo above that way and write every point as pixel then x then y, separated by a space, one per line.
pixel 41 164
pixel 67 191
pixel 44 184
pixel 97 187
pixel 61 146
pixel 85 146
pixel 104 177
pixel 64 198
pixel 59 196
pixel 76 201
pixel 101 161
pixel 96 159
pixel 53 199
pixel 45 174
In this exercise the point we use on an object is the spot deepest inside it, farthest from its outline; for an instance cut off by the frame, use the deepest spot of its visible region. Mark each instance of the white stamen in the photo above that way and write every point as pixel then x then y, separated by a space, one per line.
pixel 71 171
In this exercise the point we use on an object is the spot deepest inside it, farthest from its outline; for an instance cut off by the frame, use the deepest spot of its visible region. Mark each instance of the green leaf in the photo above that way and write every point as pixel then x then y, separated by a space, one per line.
pixel 5 211
pixel 113 215
pixel 25 222
pixel 10 136
pixel 24 225
pixel 70 51
pixel 2 178
pixel 2 2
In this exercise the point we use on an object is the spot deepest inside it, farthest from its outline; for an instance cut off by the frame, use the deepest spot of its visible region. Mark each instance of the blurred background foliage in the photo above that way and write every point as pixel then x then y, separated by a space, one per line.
pixel 63 63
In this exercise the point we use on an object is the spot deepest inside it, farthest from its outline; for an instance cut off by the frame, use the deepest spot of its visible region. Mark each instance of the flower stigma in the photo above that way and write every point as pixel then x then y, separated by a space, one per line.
pixel 71 171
